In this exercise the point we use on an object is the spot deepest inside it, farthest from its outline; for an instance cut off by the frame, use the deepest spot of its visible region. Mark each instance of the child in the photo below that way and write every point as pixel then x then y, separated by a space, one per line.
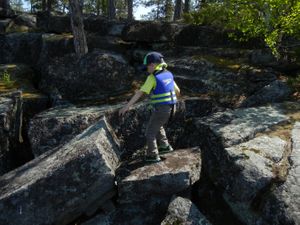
pixel 162 88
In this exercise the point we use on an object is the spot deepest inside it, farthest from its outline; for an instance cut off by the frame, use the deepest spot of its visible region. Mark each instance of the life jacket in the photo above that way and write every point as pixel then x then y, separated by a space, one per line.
pixel 164 92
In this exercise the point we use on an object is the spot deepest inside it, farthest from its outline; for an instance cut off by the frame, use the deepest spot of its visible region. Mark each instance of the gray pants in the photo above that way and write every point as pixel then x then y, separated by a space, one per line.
pixel 155 130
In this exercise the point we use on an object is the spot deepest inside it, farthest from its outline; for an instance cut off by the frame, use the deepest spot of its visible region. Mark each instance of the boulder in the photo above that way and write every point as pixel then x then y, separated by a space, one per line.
pixel 62 184
pixel 183 211
pixel 22 23
pixel 206 36
pixel 151 32
pixel 97 74
pixel 109 43
pixel 57 126
pixel 252 164
pixel 10 128
pixel 54 45
pixel 177 172
pixel 53 23
pixel 246 166
pixel 281 206
pixel 20 48
pixel 276 91
pixel 287 63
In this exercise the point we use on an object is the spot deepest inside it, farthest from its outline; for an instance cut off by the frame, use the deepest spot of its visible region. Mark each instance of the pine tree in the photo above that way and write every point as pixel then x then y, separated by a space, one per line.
pixel 80 42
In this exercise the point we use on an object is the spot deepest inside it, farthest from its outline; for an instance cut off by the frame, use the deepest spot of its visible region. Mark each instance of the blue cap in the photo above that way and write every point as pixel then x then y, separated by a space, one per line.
pixel 152 57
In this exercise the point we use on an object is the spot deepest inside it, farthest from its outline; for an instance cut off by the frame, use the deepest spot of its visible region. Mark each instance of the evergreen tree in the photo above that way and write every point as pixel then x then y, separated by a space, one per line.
pixel 158 9
pixel 169 8
pixel 111 9
pixel 17 5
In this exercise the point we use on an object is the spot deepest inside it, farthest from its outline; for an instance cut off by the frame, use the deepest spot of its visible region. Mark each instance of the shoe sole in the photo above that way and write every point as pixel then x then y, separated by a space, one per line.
pixel 164 152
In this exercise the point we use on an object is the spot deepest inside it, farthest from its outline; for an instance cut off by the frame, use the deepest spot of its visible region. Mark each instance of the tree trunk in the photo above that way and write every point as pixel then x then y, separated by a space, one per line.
pixel 168 10
pixel 178 8
pixel 98 6
pixel 187 6
pixel 80 42
pixel 130 9
pixel 4 7
pixel 111 9
pixel 49 5
pixel 43 5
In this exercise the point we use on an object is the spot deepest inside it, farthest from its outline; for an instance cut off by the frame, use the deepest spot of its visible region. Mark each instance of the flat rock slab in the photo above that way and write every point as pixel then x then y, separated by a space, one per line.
pixel 64 183
pixel 236 126
pixel 57 126
pixel 177 172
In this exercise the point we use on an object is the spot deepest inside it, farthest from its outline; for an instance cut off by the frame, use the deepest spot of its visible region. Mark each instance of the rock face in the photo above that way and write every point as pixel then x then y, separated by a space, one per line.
pixel 183 211
pixel 20 48
pixel 205 36
pixel 282 206
pixel 64 183
pixel 227 82
pixel 245 167
pixel 96 74
pixel 10 128
pixel 277 91
pixel 150 32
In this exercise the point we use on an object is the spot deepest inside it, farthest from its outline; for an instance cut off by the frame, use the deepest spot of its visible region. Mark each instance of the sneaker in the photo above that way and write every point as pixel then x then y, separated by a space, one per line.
pixel 152 159
pixel 163 150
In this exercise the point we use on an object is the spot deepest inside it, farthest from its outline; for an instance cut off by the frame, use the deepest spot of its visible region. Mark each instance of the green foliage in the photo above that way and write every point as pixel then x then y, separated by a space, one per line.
pixel 267 19
pixel 213 14
pixel 17 5
pixel 7 79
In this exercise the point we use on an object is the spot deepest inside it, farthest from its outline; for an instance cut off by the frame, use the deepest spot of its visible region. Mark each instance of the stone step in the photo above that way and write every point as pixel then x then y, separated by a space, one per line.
pixel 178 171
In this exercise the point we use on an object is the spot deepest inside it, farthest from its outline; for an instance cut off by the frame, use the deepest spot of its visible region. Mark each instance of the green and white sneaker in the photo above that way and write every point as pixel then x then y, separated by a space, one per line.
pixel 152 159
pixel 165 149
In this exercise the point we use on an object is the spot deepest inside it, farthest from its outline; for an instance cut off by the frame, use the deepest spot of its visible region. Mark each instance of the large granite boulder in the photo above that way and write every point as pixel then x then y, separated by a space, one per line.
pixel 62 184
pixel 54 45
pixel 150 32
pixel 22 23
pixel 56 126
pixel 250 168
pixel 20 48
pixel 276 91
pixel 10 128
pixel 282 205
pixel 53 23
pixel 95 75
pixel 183 211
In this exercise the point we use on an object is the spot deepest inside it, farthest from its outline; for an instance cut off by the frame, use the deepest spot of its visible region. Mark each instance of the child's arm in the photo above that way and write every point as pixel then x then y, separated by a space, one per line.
pixel 133 100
